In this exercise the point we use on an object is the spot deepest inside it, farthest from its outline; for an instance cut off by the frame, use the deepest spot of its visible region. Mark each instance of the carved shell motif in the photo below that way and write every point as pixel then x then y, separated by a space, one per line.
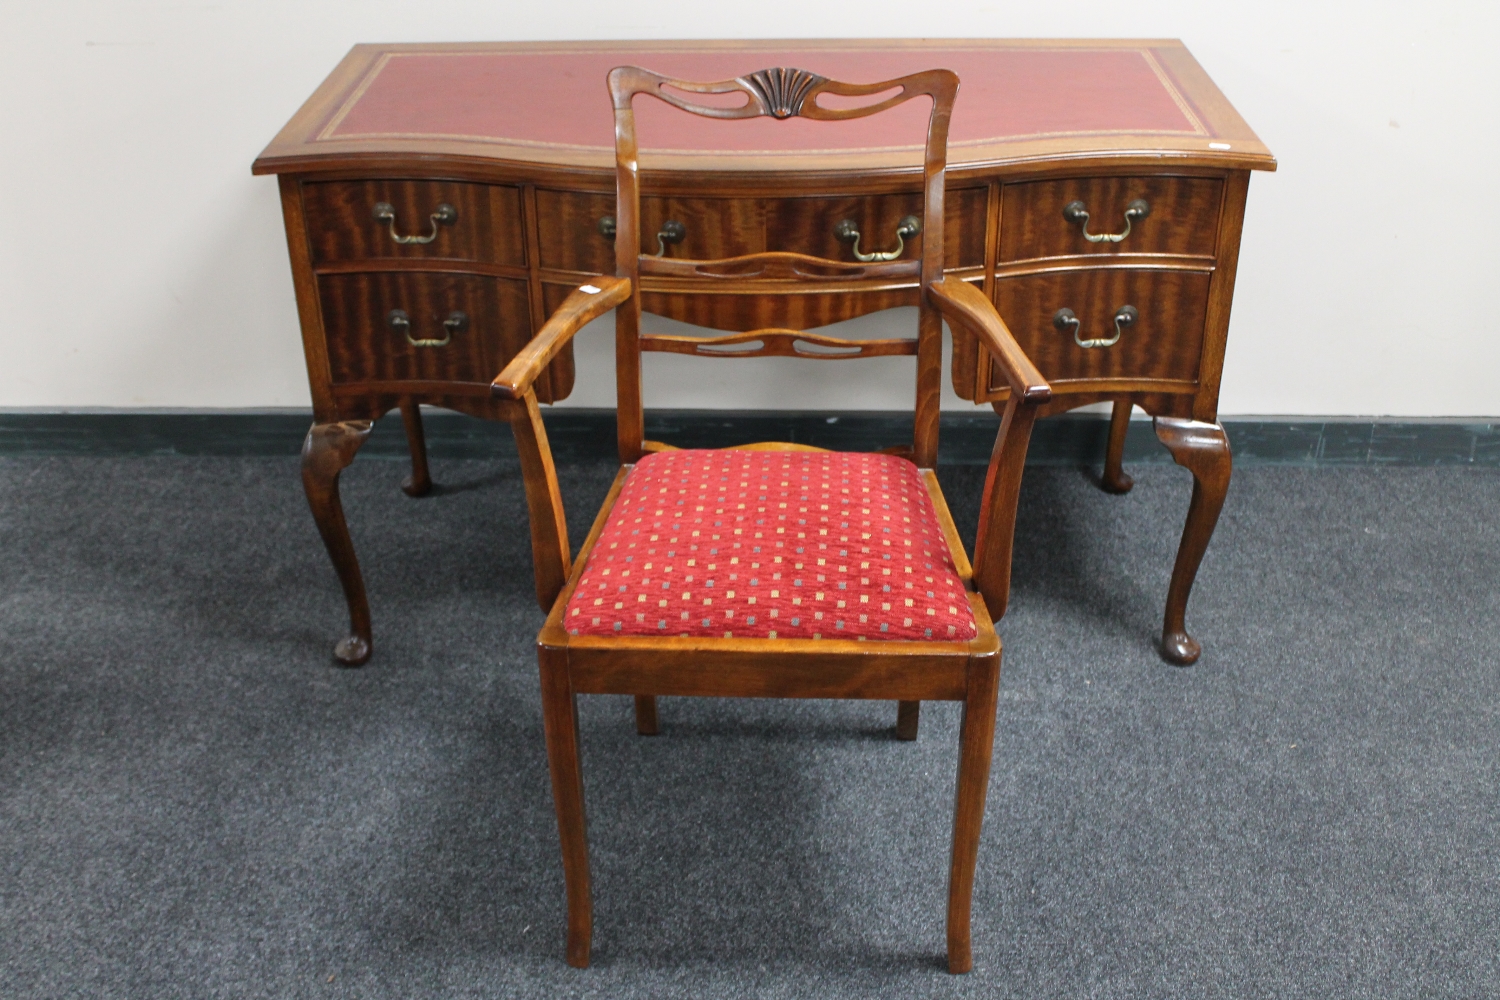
pixel 782 91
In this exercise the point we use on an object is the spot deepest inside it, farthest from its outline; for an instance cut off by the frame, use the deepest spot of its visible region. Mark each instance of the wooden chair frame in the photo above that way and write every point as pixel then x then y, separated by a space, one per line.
pixel 646 667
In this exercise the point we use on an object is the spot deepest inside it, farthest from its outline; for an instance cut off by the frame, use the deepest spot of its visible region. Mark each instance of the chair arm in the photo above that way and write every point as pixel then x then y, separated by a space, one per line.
pixel 584 303
pixel 964 305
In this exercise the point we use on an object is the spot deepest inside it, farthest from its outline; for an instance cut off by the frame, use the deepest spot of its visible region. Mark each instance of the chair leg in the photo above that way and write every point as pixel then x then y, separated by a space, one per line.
pixel 975 743
pixel 560 720
pixel 419 483
pixel 908 714
pixel 1115 479
pixel 645 715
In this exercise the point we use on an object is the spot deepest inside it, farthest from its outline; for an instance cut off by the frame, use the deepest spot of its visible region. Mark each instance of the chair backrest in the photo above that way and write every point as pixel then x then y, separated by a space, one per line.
pixel 781 94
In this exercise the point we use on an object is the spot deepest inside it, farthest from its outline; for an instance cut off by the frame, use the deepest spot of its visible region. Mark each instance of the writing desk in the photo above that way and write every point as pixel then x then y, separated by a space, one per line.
pixel 441 200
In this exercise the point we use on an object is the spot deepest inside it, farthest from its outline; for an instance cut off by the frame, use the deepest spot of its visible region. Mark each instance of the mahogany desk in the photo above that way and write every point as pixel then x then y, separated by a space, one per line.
pixel 441 200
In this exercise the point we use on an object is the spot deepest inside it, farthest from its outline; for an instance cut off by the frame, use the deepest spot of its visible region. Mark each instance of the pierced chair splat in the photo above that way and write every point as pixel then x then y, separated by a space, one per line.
pixel 774 570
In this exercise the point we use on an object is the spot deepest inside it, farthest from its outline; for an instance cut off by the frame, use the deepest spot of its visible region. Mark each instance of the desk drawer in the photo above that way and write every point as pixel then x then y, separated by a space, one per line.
pixel 811 225
pixel 568 234
pixel 484 320
pixel 1183 216
pixel 482 223
pixel 571 238
pixel 712 228
pixel 1163 341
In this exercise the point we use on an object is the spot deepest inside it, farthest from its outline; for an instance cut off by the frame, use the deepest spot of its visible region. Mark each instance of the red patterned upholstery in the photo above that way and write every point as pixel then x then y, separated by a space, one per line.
pixel 772 545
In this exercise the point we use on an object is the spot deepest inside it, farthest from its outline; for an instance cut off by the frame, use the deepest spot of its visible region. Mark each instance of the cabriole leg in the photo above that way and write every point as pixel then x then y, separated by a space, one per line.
pixel 908 715
pixel 419 483
pixel 1115 479
pixel 560 720
pixel 328 450
pixel 1202 449
pixel 976 741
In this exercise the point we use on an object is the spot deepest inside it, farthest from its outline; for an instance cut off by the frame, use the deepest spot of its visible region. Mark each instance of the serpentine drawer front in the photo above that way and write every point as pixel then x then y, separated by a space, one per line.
pixel 1125 215
pixel 421 326
pixel 577 237
pixel 442 200
pixel 1105 279
pixel 1095 244
pixel 1160 340
pixel 578 228
pixel 414 220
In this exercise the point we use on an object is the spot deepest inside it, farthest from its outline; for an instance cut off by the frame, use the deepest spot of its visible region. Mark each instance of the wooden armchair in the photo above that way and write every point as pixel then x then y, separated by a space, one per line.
pixel 774 570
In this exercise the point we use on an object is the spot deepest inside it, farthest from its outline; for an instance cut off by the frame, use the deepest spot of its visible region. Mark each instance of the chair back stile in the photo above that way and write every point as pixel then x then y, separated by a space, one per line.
pixel 630 419
pixel 778 93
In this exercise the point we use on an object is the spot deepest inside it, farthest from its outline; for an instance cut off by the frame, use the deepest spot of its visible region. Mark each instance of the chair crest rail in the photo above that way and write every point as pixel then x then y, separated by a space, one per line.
pixel 779 92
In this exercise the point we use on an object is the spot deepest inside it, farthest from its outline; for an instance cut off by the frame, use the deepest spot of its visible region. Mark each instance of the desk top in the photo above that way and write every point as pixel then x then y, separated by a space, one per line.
pixel 1018 101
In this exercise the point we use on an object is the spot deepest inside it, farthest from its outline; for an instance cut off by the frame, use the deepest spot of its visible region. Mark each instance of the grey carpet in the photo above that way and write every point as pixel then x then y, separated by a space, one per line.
pixel 195 803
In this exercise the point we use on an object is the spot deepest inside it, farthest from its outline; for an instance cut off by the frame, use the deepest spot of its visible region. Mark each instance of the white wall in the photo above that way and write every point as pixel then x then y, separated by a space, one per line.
pixel 142 265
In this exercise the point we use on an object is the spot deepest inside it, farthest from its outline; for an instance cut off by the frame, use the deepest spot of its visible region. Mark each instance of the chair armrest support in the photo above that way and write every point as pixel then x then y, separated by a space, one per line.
pixel 585 303
pixel 995 538
pixel 550 553
pixel 964 305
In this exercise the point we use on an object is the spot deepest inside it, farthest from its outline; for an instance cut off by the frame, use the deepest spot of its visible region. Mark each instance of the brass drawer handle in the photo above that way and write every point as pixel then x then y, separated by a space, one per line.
pixel 671 231
pixel 399 321
pixel 446 215
pixel 848 232
pixel 1067 321
pixel 1076 211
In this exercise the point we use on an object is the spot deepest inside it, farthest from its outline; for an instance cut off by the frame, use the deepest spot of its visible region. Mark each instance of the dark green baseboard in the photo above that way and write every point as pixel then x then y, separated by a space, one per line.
pixel 582 434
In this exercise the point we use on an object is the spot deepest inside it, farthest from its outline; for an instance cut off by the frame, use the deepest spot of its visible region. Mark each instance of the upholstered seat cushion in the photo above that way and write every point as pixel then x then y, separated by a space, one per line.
pixel 772 544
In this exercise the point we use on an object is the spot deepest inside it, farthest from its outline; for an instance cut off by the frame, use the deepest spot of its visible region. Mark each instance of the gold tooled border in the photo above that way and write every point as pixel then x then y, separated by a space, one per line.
pixel 326 134
pixel 1176 95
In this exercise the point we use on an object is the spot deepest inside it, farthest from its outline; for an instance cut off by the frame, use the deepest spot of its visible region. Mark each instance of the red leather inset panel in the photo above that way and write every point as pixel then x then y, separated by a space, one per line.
pixel 559 98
